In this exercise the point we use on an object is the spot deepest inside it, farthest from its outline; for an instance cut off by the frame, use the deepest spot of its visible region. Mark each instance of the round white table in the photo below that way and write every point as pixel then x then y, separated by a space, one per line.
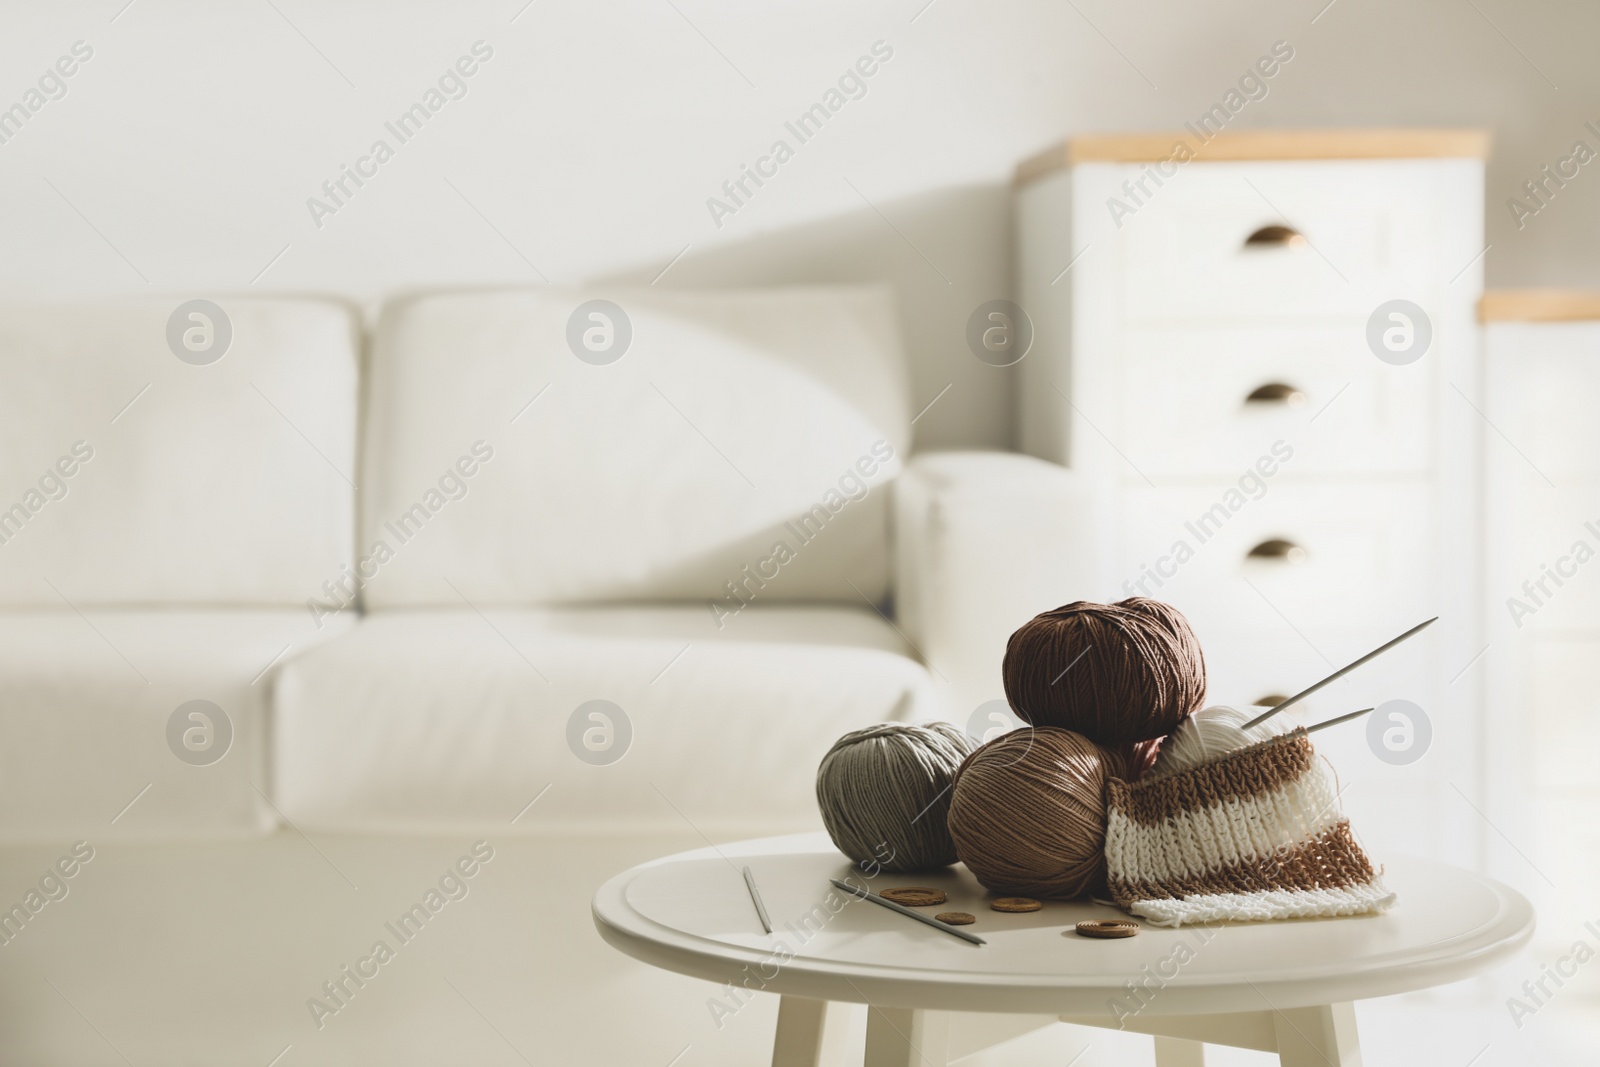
pixel 1283 987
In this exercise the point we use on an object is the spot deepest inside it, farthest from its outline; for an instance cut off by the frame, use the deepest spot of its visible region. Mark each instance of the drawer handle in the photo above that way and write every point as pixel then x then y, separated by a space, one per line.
pixel 1276 549
pixel 1275 236
pixel 1277 393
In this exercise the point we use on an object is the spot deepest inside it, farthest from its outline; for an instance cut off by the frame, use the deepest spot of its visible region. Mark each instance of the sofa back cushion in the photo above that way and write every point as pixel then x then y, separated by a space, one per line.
pixel 561 446
pixel 132 475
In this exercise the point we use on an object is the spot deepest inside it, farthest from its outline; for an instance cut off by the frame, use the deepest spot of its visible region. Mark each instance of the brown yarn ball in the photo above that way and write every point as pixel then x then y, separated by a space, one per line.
pixel 1028 813
pixel 1130 671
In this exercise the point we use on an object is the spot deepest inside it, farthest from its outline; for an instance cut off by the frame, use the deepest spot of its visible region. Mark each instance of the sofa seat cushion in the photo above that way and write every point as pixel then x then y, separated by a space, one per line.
pixel 86 702
pixel 447 719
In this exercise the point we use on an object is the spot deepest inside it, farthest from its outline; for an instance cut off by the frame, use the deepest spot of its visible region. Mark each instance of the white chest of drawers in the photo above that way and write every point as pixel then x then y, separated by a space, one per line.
pixel 1542 597
pixel 1201 353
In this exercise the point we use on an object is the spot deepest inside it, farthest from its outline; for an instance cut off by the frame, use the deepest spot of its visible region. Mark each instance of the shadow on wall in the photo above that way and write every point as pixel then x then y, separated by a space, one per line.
pixel 945 252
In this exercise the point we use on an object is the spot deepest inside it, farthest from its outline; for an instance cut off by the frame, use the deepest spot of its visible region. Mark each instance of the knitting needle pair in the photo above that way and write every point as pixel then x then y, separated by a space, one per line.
pixel 1334 677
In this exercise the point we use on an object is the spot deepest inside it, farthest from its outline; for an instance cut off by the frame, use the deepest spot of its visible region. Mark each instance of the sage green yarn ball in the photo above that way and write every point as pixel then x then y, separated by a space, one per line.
pixel 885 792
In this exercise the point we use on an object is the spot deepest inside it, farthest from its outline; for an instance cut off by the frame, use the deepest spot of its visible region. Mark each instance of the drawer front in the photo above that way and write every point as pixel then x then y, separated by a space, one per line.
pixel 1565 843
pixel 1545 572
pixel 1235 240
pixel 1299 559
pixel 1213 401
pixel 1560 713
pixel 1544 394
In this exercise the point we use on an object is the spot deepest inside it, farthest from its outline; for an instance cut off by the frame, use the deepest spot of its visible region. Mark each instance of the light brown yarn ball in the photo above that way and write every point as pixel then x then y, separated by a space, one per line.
pixel 1028 813
pixel 1129 671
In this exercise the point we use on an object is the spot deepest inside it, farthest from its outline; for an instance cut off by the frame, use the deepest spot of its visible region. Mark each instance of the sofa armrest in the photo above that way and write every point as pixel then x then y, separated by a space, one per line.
pixel 985 541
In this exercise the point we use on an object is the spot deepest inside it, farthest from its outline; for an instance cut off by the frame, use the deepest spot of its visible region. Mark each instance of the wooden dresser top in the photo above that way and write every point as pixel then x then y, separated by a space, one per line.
pixel 1539 305
pixel 1234 145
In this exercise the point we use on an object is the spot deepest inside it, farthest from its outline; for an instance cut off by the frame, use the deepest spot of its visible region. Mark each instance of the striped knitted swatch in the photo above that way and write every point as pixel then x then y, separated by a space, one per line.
pixel 1254 834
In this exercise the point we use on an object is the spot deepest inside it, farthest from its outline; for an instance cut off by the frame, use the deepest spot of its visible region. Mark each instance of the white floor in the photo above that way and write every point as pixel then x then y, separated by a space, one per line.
pixel 207 954
pixel 1448 1030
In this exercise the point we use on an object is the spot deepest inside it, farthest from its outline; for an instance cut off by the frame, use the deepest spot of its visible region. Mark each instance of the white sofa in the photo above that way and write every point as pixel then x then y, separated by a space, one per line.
pixel 399 586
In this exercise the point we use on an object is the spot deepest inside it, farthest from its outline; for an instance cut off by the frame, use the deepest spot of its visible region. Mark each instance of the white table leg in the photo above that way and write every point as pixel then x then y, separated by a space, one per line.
pixel 901 1037
pixel 1318 1037
pixel 802 1029
pixel 1178 1052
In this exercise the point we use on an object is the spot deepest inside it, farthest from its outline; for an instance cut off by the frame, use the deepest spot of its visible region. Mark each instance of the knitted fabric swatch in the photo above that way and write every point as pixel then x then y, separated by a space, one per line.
pixel 1255 834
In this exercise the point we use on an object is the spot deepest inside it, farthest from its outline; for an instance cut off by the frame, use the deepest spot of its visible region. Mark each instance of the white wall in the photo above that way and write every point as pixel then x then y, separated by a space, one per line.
pixel 181 158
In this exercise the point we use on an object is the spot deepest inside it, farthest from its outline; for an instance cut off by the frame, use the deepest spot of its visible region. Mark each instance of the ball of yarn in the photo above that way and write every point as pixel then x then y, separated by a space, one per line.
pixel 1028 813
pixel 884 792
pixel 1129 671
pixel 1212 732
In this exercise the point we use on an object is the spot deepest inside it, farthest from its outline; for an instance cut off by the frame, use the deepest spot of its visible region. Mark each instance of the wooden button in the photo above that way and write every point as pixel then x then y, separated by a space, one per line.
pixel 914 896
pixel 956 918
pixel 1107 928
pixel 1014 904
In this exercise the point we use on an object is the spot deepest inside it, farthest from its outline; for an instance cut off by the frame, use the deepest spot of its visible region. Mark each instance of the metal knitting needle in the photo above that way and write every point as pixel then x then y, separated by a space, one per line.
pixel 1340 673
pixel 1336 721
pixel 755 898
pixel 856 891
